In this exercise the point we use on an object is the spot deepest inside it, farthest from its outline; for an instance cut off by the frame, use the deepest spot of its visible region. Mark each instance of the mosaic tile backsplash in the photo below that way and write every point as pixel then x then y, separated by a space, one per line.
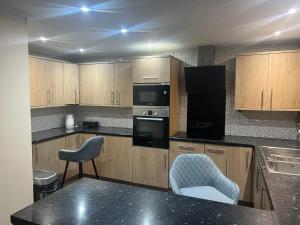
pixel 244 123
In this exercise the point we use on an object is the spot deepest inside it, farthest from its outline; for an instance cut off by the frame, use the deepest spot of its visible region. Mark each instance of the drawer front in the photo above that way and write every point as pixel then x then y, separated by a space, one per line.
pixel 186 146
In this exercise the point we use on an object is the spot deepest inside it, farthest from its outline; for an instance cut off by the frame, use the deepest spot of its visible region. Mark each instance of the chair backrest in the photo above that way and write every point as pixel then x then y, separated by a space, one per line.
pixel 91 148
pixel 191 170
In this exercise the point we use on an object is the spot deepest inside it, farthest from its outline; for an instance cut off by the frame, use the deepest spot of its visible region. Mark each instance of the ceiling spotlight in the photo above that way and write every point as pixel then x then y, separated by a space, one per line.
pixel 149 44
pixel 43 39
pixel 124 31
pixel 292 11
pixel 81 50
pixel 85 9
pixel 277 33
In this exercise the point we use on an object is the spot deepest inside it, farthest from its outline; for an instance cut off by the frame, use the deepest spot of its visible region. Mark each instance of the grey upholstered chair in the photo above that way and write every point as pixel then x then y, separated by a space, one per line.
pixel 88 151
pixel 196 175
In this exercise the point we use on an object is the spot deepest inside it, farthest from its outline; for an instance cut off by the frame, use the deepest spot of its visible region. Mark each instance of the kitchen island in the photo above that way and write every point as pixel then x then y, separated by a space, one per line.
pixel 90 201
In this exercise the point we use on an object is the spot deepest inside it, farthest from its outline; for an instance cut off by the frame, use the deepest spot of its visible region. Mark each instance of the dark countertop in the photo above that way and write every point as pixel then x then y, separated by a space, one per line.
pixel 89 201
pixel 47 135
pixel 284 190
pixel 240 141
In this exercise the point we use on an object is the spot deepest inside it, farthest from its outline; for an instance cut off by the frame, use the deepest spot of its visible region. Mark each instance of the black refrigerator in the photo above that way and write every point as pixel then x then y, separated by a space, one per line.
pixel 205 86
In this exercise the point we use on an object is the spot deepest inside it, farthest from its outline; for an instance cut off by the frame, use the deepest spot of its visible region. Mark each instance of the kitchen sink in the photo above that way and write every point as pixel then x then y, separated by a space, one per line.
pixel 282 160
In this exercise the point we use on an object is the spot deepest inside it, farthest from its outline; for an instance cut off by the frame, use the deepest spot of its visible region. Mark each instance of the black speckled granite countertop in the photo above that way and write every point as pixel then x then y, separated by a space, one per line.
pixel 241 141
pixel 47 135
pixel 284 190
pixel 89 201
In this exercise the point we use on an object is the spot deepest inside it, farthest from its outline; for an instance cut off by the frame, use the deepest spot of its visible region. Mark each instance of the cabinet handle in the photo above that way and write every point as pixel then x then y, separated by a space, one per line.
pixel 247 158
pixel 48 97
pixel 165 164
pixel 216 151
pixel 183 147
pixel 75 96
pixel 118 98
pixel 257 178
pixel 271 99
pixel 150 78
pixel 262 100
pixel 112 97
pixel 36 155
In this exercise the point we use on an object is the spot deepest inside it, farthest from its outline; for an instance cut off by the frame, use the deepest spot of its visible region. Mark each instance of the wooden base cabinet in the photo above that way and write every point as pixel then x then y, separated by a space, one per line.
pixel 116 158
pixel 260 196
pixel 72 143
pixel 45 155
pixel 150 166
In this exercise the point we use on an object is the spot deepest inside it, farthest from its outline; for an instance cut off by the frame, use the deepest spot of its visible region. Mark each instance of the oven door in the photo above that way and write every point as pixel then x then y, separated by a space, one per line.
pixel 151 95
pixel 151 131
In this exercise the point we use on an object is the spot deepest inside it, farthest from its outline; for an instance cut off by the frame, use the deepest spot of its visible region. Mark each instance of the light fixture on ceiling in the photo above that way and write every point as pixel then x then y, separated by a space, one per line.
pixel 292 11
pixel 149 45
pixel 81 50
pixel 124 31
pixel 43 39
pixel 277 33
pixel 85 9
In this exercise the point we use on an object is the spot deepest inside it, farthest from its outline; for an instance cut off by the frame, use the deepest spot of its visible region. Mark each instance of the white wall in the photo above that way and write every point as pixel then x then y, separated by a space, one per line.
pixel 15 131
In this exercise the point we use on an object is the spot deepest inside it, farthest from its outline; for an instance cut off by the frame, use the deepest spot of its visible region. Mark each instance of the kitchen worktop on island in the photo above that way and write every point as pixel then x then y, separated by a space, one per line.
pixel 47 135
pixel 90 201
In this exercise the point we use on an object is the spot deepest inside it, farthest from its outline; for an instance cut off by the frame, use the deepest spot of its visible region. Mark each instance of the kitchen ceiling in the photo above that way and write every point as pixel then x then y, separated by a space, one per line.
pixel 154 25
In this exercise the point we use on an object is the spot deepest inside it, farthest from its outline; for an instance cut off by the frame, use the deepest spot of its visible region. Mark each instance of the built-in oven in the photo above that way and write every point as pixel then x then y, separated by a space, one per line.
pixel 151 127
pixel 151 95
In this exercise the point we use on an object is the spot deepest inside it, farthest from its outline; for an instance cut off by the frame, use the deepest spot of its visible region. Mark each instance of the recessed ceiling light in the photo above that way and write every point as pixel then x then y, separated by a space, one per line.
pixel 85 9
pixel 277 33
pixel 43 39
pixel 292 11
pixel 81 50
pixel 124 31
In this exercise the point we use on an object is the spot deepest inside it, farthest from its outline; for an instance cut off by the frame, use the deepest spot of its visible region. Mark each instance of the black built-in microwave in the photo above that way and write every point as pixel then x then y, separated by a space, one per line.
pixel 151 95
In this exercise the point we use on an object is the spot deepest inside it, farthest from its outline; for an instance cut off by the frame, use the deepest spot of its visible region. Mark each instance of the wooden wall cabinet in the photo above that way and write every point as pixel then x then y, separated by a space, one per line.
pixel 106 84
pixel 151 70
pixel 46 83
pixel 123 84
pixel 37 69
pixel 150 166
pixel 71 84
pixel 268 81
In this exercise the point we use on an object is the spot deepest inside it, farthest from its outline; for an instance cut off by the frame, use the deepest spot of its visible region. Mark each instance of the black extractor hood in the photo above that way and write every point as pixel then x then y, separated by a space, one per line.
pixel 205 86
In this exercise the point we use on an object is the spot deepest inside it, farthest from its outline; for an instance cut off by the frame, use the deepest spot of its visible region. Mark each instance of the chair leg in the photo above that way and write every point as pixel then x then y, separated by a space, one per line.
pixel 65 173
pixel 80 170
pixel 95 169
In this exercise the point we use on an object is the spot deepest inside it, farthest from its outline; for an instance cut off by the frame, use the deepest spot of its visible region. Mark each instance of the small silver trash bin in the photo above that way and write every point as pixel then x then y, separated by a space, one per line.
pixel 44 183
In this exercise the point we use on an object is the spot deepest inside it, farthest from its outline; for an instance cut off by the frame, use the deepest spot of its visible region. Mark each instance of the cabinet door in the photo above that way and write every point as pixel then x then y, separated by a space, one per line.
pixel 265 200
pixel 45 155
pixel 257 186
pixel 116 160
pixel 103 85
pixel 284 81
pixel 123 84
pixel 251 82
pixel 71 84
pixel 54 83
pixel 218 155
pixel 150 166
pixel 151 70
pixel 87 166
pixel 72 143
pixel 37 72
pixel 86 72
pixel 160 67
pixel 239 169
